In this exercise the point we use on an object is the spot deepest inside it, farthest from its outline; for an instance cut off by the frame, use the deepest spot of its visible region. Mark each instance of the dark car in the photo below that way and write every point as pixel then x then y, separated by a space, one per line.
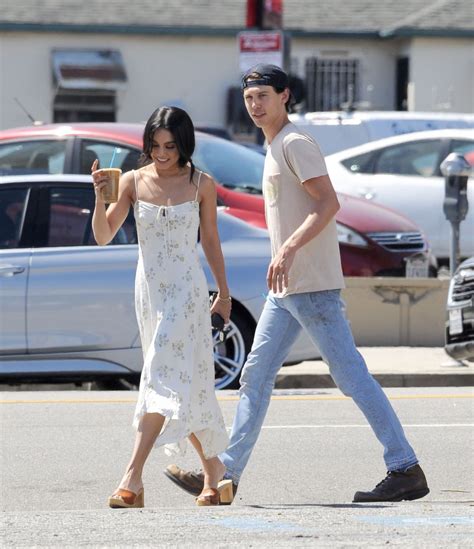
pixel 460 323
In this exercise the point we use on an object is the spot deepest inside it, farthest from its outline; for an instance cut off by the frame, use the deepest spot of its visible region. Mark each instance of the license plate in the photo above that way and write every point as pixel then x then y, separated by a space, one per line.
pixel 417 267
pixel 455 321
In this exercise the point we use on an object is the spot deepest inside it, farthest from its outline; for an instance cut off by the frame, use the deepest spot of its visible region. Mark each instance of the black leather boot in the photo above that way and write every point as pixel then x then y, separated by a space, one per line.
pixel 396 486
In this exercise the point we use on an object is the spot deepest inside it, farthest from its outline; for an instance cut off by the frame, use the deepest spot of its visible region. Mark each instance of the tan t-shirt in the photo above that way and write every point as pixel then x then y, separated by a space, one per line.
pixel 293 158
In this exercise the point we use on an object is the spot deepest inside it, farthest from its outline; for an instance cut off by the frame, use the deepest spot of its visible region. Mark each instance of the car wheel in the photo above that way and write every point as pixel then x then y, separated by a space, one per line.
pixel 111 385
pixel 230 355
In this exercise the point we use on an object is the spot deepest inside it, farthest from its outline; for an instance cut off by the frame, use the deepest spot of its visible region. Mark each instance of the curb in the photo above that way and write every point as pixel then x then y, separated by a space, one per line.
pixel 324 381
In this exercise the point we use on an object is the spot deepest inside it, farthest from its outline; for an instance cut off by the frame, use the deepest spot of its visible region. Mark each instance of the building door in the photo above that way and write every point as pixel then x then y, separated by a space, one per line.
pixel 403 70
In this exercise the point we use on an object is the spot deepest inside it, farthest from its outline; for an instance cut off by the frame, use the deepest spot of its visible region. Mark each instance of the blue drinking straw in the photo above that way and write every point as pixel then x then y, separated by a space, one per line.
pixel 113 157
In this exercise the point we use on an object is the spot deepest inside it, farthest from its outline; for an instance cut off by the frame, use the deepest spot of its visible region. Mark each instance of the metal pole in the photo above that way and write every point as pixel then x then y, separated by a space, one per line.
pixel 454 251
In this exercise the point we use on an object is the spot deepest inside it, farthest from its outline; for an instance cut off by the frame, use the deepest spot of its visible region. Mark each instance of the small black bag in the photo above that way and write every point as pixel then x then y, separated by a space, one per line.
pixel 217 321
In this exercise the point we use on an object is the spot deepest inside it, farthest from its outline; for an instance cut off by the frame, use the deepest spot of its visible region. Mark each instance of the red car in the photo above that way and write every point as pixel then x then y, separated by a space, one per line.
pixel 374 240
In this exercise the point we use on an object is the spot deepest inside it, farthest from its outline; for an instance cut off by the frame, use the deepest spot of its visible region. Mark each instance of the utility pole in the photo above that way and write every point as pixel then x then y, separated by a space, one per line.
pixel 265 14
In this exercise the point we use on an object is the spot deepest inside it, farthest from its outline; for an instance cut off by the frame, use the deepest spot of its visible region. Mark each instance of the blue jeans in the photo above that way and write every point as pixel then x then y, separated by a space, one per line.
pixel 320 314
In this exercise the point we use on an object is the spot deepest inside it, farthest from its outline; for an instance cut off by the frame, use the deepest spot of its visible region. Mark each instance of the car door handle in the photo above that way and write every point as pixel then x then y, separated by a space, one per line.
pixel 366 192
pixel 10 270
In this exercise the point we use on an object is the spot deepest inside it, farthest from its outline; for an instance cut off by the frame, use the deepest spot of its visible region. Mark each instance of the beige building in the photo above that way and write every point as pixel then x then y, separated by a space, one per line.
pixel 119 60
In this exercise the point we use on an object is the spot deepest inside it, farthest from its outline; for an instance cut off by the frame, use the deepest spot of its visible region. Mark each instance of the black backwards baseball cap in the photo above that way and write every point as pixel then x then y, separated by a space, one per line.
pixel 270 75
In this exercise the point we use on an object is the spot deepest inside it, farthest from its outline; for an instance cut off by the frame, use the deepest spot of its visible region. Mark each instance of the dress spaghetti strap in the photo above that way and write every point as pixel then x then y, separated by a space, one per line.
pixel 136 185
pixel 197 186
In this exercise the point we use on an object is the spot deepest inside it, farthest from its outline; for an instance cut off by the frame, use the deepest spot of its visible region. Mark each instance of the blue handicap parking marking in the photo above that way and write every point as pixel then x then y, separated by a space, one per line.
pixel 415 521
pixel 254 524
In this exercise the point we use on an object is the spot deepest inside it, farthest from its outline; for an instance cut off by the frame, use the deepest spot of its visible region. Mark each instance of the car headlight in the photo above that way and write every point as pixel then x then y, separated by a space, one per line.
pixel 348 236
pixel 464 275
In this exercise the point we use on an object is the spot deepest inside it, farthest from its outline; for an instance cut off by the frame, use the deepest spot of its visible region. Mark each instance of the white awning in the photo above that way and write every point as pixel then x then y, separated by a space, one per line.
pixel 88 69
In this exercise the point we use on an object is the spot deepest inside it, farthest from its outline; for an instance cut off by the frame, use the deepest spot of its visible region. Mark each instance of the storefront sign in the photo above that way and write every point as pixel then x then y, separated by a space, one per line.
pixel 260 47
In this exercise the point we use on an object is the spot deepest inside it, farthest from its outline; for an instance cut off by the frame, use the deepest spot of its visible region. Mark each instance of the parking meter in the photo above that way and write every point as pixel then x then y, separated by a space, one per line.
pixel 456 170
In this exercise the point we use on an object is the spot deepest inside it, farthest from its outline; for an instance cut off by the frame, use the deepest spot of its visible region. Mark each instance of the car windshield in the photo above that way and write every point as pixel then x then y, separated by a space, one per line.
pixel 232 165
pixel 35 157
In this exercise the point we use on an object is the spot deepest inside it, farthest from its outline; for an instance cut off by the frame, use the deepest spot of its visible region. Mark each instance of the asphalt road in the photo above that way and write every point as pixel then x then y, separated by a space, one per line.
pixel 64 452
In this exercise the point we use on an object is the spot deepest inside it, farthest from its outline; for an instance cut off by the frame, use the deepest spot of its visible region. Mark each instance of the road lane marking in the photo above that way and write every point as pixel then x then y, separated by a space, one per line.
pixel 336 397
pixel 225 398
pixel 350 426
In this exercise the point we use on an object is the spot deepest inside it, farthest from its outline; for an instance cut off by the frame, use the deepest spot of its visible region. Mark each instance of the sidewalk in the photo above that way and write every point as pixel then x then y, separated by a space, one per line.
pixel 391 367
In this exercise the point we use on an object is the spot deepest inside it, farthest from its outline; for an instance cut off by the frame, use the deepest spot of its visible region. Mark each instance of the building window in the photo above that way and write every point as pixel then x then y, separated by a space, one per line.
pixel 86 83
pixel 84 106
pixel 331 84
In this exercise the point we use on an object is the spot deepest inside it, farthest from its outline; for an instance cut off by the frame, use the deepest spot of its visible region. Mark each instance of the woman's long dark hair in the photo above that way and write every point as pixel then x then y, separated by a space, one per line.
pixel 180 125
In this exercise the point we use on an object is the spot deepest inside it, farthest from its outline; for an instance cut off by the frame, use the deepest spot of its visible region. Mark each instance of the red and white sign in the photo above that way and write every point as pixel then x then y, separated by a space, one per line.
pixel 260 47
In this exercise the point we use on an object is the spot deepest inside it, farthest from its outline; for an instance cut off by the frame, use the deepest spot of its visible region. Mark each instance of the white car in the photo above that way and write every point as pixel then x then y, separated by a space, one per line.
pixel 339 130
pixel 403 173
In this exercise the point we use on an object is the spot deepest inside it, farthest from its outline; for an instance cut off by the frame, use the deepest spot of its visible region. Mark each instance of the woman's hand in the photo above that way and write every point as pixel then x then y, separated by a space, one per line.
pixel 100 180
pixel 222 307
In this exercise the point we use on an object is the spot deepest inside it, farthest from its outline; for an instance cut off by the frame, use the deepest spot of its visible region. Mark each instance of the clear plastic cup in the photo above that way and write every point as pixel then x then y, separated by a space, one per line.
pixel 109 193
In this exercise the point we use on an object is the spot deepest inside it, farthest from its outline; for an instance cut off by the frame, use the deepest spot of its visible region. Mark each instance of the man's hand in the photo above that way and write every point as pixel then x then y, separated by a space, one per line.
pixel 278 271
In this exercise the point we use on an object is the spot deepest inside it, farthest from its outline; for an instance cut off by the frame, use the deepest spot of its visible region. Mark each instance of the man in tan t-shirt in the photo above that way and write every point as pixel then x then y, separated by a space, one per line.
pixel 304 279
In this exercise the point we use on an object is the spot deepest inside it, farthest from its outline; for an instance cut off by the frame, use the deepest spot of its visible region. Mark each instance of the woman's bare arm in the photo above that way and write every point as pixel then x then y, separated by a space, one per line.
pixel 212 246
pixel 106 223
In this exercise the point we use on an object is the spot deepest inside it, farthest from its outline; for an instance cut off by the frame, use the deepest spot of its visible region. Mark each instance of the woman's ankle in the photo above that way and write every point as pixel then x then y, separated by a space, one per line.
pixel 131 480
pixel 214 471
pixel 213 464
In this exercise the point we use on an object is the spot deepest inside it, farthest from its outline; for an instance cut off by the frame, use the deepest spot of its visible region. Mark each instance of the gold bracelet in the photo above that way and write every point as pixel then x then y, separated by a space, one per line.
pixel 225 299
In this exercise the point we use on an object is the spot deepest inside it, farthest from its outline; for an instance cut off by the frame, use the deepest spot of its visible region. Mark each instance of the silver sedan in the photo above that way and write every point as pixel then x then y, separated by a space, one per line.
pixel 68 305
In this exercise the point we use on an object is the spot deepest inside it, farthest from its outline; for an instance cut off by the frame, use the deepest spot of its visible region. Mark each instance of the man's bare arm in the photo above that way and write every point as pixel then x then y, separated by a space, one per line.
pixel 326 206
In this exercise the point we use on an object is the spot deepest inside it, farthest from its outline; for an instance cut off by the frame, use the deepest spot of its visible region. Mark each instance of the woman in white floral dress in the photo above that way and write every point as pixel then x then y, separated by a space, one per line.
pixel 176 399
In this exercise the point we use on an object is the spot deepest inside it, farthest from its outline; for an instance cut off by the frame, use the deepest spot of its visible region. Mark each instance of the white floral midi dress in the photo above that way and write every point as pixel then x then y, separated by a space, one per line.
pixel 172 306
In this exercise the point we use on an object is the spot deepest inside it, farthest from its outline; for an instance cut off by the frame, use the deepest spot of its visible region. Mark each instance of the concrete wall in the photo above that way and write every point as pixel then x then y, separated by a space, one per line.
pixel 194 72
pixel 441 75
pixel 26 75
pixel 397 311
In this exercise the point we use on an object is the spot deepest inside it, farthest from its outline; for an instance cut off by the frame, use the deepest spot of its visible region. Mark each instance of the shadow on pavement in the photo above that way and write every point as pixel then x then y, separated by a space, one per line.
pixel 331 505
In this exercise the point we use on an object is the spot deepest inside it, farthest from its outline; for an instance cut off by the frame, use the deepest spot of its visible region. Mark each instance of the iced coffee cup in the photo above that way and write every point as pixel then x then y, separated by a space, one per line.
pixel 109 192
